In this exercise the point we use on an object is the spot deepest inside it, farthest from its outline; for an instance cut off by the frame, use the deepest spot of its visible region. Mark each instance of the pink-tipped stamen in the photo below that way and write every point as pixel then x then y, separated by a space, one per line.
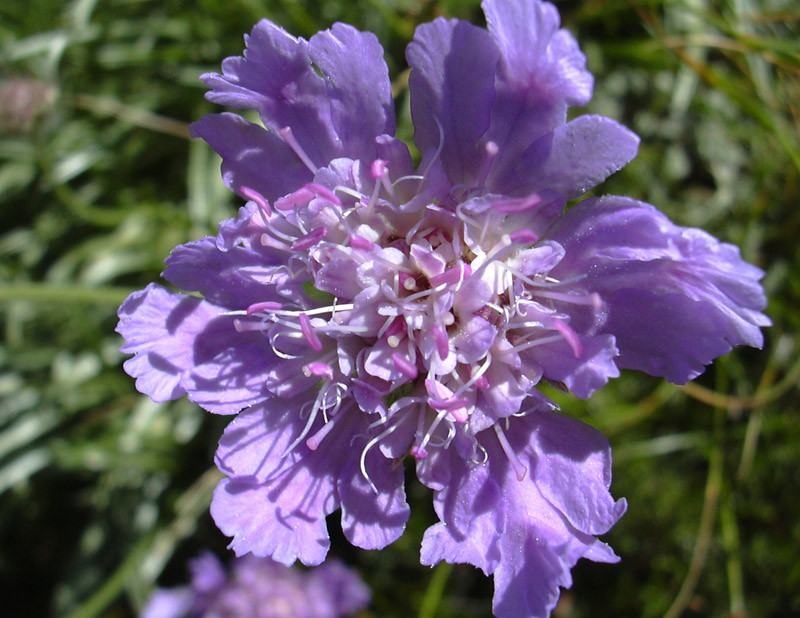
pixel 266 306
pixel 589 300
pixel 324 193
pixel 255 196
pixel 570 336
pixel 314 441
pixel 491 152
pixel 418 453
pixel 321 370
pixel 441 341
pixel 243 326
pixel 407 280
pixel 294 200
pixel 452 275
pixel 519 469
pixel 308 332
pixel 310 239
pixel 378 168
pixel 519 204
pixel 405 366
pixel 523 236
pixel 359 242
pixel 288 137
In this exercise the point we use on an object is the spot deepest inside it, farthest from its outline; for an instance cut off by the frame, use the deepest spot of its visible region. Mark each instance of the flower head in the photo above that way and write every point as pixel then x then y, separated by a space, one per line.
pixel 260 588
pixel 361 309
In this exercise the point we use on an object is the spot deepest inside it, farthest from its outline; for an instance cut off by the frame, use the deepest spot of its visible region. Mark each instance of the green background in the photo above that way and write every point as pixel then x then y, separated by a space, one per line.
pixel 104 494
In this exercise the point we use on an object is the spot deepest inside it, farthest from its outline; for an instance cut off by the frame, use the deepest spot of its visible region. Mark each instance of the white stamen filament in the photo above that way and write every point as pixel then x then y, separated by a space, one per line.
pixel 288 137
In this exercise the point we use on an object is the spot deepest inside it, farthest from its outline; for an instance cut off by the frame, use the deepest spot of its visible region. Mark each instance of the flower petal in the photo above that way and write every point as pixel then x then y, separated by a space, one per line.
pixel 574 158
pixel 584 374
pixel 357 87
pixel 372 520
pixel 532 548
pixel 676 298
pixel 236 278
pixel 333 92
pixel 160 328
pixel 453 67
pixel 541 72
pixel 251 156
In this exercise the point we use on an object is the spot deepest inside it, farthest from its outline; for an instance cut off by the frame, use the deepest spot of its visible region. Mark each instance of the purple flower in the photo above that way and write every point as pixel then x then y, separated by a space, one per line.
pixel 261 588
pixel 361 309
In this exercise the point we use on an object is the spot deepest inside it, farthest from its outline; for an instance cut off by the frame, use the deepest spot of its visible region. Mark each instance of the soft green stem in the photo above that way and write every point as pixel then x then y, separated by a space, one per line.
pixel 114 584
pixel 433 595
pixel 730 538
pixel 53 293
pixel 707 518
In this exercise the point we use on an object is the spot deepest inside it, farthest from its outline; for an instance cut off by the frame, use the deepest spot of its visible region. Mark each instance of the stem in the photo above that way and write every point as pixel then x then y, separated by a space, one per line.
pixel 433 594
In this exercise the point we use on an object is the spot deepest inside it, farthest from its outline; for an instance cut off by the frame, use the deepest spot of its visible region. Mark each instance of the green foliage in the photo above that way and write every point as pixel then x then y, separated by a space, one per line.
pixel 104 493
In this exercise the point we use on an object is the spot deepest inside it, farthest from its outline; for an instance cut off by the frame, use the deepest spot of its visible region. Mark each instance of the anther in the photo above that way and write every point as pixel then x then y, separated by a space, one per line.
pixel 518 204
pixel 407 281
pixel 451 275
pixel 441 341
pixel 378 168
pixel 322 370
pixel 308 332
pixel 570 336
pixel 404 366
pixel 523 236
pixel 265 306
pixel 590 300
pixel 359 242
pixel 242 326
pixel 310 239
pixel 255 196
pixel 294 200
pixel 491 152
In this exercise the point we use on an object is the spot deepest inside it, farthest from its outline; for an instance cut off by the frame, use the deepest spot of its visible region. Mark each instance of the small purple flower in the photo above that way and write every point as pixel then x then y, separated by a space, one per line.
pixel 261 588
pixel 361 309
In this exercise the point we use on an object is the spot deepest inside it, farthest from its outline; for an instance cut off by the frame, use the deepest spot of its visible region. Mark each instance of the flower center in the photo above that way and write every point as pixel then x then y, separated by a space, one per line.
pixel 436 298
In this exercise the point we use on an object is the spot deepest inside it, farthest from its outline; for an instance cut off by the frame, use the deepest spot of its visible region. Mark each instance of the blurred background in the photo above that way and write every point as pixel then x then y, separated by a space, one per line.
pixel 104 494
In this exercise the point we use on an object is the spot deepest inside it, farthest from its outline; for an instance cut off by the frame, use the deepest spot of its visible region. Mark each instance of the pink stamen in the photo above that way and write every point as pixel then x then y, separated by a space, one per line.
pixel 265 306
pixel 442 343
pixel 359 242
pixel 323 192
pixel 481 381
pixel 310 239
pixel 255 196
pixel 242 326
pixel 378 168
pixel 570 336
pixel 291 141
pixel 452 275
pixel 397 326
pixel 406 277
pixel 491 152
pixel 314 441
pixel 404 366
pixel 519 469
pixel 294 200
pixel 321 370
pixel 523 236
pixel 590 300
pixel 441 398
pixel 308 332
pixel 518 204
pixel 418 453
